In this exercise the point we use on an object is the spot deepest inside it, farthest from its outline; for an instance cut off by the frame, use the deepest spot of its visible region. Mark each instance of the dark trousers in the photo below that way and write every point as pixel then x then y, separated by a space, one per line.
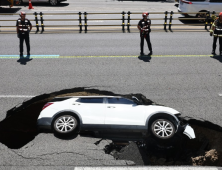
pixel 26 38
pixel 215 44
pixel 147 37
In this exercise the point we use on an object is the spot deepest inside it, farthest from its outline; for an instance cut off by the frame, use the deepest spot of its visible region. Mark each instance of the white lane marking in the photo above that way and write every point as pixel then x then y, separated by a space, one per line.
pixel 16 96
pixel 220 94
pixel 146 168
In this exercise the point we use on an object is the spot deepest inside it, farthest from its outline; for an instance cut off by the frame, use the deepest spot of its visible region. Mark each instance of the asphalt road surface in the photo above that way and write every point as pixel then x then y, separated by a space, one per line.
pixel 181 74
pixel 156 10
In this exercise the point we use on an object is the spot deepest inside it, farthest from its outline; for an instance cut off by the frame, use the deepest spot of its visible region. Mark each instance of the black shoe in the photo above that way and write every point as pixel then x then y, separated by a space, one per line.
pixel 213 52
pixel 151 52
pixel 141 54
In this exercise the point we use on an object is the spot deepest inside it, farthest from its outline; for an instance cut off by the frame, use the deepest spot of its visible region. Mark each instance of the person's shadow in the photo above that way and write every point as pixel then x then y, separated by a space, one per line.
pixel 23 60
pixel 217 57
pixel 145 58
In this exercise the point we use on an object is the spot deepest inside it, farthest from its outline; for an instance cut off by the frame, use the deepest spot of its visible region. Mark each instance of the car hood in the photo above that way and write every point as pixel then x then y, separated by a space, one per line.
pixel 162 109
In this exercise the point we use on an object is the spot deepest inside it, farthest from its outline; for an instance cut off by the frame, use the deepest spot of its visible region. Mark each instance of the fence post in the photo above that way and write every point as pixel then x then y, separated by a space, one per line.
pixel 36 21
pixel 123 21
pixel 41 19
pixel 213 17
pixel 165 21
pixel 128 24
pixel 85 19
pixel 80 22
pixel 171 18
pixel 207 19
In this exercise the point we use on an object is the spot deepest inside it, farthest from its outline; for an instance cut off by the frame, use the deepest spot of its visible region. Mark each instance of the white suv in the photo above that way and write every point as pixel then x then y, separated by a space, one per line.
pixel 111 114
pixel 195 6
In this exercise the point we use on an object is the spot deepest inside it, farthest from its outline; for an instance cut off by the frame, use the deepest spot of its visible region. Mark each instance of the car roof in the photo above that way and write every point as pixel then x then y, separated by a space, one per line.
pixel 89 97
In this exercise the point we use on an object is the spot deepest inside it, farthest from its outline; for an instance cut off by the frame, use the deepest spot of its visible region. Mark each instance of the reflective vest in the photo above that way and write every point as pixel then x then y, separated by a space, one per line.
pixel 218 28
pixel 23 28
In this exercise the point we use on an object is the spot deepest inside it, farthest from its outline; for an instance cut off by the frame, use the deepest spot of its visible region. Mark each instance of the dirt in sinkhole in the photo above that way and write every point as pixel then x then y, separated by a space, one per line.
pixel 19 128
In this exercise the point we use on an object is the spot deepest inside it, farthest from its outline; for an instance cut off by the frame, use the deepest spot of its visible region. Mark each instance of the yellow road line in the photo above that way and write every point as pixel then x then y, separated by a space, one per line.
pixel 135 56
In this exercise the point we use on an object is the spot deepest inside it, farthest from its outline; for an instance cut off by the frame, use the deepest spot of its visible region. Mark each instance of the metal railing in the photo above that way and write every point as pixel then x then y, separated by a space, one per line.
pixel 120 22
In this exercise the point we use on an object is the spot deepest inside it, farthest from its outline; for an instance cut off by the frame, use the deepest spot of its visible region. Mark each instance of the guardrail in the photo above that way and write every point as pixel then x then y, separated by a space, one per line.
pixel 123 21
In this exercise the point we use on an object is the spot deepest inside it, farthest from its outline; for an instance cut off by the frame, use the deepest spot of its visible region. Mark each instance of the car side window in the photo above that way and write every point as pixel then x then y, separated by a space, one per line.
pixel 91 100
pixel 120 101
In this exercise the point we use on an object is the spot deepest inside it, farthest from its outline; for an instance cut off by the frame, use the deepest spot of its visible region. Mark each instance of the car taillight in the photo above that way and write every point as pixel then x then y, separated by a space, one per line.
pixel 186 2
pixel 46 105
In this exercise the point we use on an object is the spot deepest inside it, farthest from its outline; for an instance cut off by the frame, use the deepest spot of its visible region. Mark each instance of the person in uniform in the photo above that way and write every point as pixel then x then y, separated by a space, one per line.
pixel 144 27
pixel 23 26
pixel 216 31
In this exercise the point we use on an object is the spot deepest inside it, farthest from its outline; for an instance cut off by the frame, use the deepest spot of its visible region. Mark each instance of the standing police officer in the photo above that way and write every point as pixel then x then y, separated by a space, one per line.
pixel 216 30
pixel 23 30
pixel 144 27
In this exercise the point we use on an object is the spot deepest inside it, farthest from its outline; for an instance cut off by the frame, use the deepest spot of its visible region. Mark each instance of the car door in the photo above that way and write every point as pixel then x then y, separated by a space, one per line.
pixel 215 5
pixel 199 5
pixel 90 109
pixel 121 111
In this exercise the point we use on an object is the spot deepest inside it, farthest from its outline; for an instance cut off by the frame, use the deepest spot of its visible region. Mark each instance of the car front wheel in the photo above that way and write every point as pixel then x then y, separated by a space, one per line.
pixel 53 2
pixel 65 124
pixel 163 129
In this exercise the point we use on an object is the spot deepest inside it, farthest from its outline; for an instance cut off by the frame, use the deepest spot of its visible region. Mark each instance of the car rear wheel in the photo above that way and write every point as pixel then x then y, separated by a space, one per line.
pixel 53 2
pixel 163 129
pixel 65 124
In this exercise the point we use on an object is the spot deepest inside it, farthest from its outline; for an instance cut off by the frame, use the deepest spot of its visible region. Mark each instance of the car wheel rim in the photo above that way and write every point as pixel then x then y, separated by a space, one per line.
pixel 163 129
pixel 53 2
pixel 65 124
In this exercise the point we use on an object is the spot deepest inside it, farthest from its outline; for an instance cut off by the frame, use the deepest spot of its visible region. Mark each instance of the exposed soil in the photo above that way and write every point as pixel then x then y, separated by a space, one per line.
pixel 19 128
pixel 205 150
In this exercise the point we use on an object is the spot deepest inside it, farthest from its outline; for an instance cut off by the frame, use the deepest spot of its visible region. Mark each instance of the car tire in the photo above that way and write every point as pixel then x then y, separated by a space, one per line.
pixel 162 129
pixel 65 124
pixel 198 15
pixel 53 2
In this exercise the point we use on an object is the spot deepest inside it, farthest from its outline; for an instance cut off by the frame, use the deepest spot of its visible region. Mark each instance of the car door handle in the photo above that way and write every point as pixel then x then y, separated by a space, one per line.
pixel 76 104
pixel 111 107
